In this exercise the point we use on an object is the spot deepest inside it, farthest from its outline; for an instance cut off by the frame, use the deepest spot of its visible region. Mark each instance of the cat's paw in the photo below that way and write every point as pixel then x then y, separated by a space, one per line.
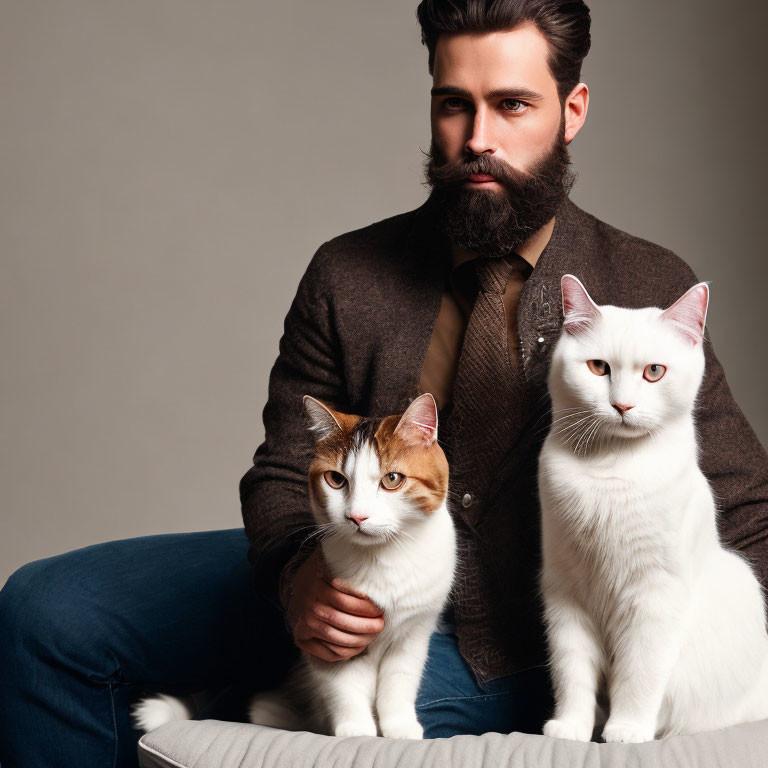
pixel 402 729
pixel 627 733
pixel 355 728
pixel 575 730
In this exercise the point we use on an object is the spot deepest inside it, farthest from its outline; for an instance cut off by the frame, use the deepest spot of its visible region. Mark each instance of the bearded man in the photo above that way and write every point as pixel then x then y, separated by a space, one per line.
pixel 460 298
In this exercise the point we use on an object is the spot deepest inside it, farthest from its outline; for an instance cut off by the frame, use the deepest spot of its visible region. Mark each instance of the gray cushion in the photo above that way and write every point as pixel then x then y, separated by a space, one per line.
pixel 216 744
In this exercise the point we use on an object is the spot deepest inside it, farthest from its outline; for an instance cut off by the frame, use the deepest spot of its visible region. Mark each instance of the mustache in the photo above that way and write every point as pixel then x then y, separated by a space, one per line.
pixel 496 223
pixel 456 172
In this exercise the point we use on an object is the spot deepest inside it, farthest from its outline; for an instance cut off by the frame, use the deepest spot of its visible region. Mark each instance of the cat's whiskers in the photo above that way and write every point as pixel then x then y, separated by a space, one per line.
pixel 275 543
pixel 322 531
pixel 577 411
pixel 573 412
pixel 570 421
pixel 598 436
pixel 552 413
pixel 306 527
pixel 570 431
pixel 568 418
pixel 581 436
pixel 571 424
pixel 579 407
pixel 590 435
pixel 581 430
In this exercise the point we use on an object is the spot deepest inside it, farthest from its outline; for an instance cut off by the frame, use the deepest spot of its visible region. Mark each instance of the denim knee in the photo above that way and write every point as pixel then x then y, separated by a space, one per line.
pixel 45 614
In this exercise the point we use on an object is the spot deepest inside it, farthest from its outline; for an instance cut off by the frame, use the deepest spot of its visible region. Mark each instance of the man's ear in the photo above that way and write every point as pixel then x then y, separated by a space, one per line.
pixel 323 420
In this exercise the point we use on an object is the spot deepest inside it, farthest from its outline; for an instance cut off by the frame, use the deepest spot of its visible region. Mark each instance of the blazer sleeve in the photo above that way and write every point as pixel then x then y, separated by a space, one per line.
pixel 274 496
pixel 735 463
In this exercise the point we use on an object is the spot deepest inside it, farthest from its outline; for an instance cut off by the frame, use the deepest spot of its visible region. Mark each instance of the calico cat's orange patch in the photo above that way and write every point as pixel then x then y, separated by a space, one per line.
pixel 426 469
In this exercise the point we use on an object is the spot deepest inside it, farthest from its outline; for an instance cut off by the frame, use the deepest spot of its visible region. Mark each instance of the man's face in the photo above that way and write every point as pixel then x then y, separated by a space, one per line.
pixel 498 163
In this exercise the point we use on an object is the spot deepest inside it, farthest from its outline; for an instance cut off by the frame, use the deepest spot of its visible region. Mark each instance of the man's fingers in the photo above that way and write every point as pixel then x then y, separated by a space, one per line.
pixel 347 622
pixel 342 586
pixel 327 651
pixel 341 651
pixel 317 648
pixel 337 637
pixel 347 603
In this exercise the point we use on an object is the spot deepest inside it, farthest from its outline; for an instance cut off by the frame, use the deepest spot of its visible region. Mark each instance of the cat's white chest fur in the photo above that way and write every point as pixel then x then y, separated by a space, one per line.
pixel 408 582
pixel 616 514
pixel 611 521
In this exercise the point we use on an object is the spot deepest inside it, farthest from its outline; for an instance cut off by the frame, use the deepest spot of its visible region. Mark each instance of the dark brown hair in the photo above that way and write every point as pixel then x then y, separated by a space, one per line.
pixel 565 25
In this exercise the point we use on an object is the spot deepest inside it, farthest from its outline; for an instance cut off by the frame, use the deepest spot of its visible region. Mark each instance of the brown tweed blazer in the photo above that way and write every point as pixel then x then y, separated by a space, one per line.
pixel 355 337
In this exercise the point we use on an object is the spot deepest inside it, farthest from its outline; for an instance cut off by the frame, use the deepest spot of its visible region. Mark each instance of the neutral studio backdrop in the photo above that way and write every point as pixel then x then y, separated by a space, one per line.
pixel 167 170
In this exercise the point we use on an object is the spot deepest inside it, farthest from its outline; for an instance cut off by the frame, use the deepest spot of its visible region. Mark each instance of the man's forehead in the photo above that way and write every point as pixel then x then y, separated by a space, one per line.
pixel 493 60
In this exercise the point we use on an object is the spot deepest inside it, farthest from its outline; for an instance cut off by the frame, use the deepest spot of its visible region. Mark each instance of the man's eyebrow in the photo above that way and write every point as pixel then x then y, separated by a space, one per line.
pixel 498 93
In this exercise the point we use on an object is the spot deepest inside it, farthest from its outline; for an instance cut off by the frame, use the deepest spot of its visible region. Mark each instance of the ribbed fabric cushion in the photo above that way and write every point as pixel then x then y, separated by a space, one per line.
pixel 215 744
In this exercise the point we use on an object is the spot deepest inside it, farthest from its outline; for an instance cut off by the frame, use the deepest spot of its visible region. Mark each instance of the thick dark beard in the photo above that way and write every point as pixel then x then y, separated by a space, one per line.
pixel 495 223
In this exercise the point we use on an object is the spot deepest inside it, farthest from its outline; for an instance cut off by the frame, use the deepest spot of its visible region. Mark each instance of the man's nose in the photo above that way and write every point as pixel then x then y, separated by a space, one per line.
pixel 481 139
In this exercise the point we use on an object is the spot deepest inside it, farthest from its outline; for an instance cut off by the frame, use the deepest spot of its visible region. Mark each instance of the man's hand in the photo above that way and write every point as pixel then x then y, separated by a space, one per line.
pixel 329 619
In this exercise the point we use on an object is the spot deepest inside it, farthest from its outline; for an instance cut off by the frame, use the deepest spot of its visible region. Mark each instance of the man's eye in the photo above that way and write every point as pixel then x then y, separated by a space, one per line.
pixel 453 103
pixel 517 106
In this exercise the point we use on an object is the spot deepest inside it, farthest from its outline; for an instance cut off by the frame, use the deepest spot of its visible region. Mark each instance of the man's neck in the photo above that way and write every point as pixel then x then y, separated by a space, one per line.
pixel 530 250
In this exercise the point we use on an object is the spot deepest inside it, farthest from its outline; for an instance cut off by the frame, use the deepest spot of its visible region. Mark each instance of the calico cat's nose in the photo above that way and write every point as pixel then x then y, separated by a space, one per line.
pixel 358 520
pixel 622 409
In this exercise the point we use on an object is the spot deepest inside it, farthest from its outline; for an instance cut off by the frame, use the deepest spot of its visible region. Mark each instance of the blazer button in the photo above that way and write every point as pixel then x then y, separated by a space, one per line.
pixel 466 500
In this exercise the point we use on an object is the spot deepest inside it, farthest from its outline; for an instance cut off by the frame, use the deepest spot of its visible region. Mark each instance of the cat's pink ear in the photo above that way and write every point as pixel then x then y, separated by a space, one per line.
pixel 689 313
pixel 322 420
pixel 579 311
pixel 418 425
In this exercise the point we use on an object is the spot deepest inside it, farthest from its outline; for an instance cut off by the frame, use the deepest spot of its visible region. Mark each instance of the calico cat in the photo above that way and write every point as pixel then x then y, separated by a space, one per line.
pixel 645 610
pixel 378 490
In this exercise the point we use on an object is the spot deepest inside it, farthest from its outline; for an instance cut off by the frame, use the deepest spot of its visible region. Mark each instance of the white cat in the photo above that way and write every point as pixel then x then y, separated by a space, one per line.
pixel 645 610
pixel 378 489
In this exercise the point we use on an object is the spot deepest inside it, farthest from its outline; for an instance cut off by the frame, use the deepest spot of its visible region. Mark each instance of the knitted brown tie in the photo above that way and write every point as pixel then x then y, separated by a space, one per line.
pixel 485 393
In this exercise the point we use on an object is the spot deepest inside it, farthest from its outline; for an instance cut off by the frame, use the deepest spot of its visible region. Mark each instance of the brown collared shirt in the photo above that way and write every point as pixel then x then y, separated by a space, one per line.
pixel 442 358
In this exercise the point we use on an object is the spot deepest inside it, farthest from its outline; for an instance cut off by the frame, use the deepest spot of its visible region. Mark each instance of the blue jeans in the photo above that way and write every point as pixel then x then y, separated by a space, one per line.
pixel 87 633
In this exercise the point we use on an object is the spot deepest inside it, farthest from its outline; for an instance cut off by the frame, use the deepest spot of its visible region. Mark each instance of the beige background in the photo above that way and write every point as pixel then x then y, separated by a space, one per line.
pixel 168 167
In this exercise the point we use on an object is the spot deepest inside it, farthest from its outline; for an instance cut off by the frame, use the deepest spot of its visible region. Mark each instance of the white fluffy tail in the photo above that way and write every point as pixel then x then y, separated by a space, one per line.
pixel 273 709
pixel 154 711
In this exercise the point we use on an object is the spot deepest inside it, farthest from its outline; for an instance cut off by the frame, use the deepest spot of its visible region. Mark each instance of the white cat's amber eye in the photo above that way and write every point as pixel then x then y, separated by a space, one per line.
pixel 654 372
pixel 598 367
pixel 334 479
pixel 392 481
